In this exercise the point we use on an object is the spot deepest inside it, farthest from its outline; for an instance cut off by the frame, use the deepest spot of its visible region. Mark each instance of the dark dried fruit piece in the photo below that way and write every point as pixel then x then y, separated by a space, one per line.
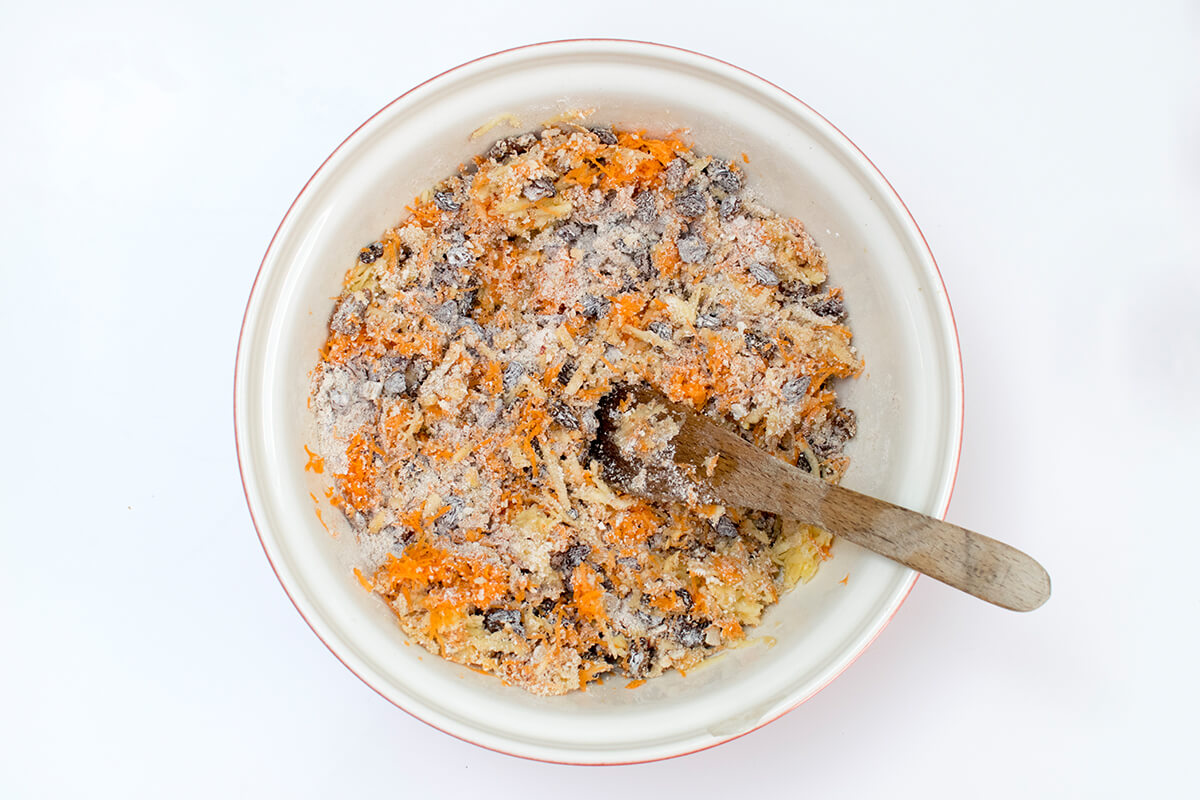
pixel 831 307
pixel 641 658
pixel 691 203
pixel 758 343
pixel 690 632
pixel 720 173
pixel 686 597
pixel 399 535
pixel 370 253
pixel 499 618
pixel 642 265
pixel 796 289
pixel 829 437
pixel 763 274
pixel 605 135
pixel 675 176
pixel 564 416
pixel 445 201
pixel 727 527
pixel 512 375
pixel 566 371
pixel 662 330
pixel 568 232
pixel 446 522
pixel 692 248
pixel 709 320
pixel 594 307
pixel 729 206
pixel 511 146
pixel 538 189
pixel 795 389
pixel 647 206
pixel 447 314
pixel 348 316
pixel 467 301
pixel 569 559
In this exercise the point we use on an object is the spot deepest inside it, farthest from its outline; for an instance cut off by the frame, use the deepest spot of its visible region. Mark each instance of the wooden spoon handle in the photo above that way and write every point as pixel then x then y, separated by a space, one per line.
pixel 747 477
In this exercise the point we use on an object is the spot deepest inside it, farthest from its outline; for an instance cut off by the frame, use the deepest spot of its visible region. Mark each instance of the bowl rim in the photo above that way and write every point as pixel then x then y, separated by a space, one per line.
pixel 956 365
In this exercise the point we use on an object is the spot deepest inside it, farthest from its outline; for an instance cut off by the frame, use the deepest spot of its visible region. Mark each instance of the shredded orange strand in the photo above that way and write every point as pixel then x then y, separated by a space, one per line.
pixel 315 462
pixel 366 584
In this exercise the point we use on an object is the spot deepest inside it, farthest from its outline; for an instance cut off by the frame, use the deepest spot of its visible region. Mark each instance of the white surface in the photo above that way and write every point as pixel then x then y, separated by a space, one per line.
pixel 1050 155
pixel 908 402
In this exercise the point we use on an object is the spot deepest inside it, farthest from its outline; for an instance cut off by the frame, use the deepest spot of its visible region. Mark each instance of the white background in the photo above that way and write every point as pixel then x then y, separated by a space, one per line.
pixel 1051 153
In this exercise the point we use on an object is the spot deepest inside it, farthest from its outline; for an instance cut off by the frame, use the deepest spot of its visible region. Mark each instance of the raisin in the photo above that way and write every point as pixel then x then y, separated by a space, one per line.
pixel 795 389
pixel 400 536
pixel 445 201
pixel 727 527
pixel 512 375
pixel 370 253
pixel 719 173
pixel 758 343
pixel 795 289
pixel 446 522
pixel 446 314
pixel 564 416
pixel 538 189
pixel 569 559
pixel 594 307
pixel 467 301
pixel 498 618
pixel 831 307
pixel 690 632
pixel 675 176
pixel 641 658
pixel 568 232
pixel 511 146
pixel 566 371
pixel 691 203
pixel 729 206
pixel 839 426
pixel 347 317
pixel 763 274
pixel 662 330
pixel 605 135
pixel 647 206
pixel 709 320
pixel 686 597
pixel 692 248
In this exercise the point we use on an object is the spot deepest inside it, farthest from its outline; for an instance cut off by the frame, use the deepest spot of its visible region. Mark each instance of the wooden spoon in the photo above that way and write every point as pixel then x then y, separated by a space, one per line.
pixel 683 468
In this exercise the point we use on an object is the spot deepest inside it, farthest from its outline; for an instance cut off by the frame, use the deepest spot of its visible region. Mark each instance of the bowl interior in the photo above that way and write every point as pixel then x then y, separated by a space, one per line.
pixel 908 399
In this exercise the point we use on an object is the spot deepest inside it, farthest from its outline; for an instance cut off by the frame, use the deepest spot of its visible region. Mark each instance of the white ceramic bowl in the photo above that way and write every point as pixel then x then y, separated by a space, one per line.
pixel 909 401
